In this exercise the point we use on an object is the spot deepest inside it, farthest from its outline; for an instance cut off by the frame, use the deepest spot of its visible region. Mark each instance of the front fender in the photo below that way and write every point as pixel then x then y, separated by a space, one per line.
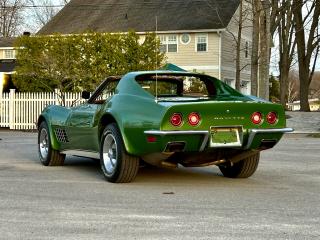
pixel 54 116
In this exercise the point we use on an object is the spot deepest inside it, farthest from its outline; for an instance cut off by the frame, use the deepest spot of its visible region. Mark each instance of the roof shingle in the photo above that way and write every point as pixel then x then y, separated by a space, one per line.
pixel 7 41
pixel 139 15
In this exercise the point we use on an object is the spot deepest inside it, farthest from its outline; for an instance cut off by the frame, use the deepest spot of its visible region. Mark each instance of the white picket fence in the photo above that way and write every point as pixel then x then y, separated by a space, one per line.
pixel 20 111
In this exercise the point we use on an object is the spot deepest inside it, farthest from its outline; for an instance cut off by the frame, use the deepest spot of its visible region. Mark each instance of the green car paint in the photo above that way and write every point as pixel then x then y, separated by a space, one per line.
pixel 142 117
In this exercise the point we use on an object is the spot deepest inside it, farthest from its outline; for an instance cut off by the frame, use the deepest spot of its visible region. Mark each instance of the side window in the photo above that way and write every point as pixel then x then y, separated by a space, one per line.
pixel 106 93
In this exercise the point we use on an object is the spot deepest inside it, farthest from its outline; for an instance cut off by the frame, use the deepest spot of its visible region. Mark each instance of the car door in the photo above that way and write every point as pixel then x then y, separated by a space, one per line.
pixel 84 120
pixel 82 127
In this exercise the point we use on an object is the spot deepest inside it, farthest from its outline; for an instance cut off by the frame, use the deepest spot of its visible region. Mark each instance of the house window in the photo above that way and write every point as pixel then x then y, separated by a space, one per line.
pixel 169 43
pixel 9 54
pixel 202 43
pixel 185 38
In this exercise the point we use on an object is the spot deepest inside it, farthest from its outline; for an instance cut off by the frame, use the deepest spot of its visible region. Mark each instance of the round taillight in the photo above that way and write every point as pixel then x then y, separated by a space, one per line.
pixel 256 117
pixel 272 117
pixel 176 119
pixel 194 119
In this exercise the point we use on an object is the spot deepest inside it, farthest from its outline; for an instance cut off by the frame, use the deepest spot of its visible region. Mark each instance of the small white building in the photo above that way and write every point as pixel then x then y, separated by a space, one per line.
pixel 314 105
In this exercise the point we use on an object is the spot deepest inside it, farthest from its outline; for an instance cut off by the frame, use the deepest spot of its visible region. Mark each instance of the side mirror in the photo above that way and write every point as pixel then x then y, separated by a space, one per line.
pixel 85 95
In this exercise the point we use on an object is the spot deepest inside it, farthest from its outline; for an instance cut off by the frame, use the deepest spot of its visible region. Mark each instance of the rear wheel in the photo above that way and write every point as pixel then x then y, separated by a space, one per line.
pixel 117 166
pixel 242 169
pixel 47 155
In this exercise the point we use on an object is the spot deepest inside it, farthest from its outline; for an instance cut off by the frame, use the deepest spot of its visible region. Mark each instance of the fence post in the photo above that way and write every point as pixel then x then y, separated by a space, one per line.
pixel 57 96
pixel 12 108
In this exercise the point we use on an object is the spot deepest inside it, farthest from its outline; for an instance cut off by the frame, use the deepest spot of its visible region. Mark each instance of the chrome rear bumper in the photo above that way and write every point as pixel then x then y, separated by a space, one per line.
pixel 252 134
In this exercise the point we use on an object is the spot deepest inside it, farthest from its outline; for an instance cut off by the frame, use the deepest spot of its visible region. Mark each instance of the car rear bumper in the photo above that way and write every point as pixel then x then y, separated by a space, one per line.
pixel 254 137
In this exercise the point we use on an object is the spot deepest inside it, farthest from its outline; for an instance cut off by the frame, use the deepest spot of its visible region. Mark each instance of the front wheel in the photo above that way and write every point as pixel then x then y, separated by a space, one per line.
pixel 117 166
pixel 47 155
pixel 242 169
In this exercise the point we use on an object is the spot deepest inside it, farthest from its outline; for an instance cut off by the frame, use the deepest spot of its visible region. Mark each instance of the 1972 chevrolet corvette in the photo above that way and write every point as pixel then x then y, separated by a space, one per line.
pixel 164 118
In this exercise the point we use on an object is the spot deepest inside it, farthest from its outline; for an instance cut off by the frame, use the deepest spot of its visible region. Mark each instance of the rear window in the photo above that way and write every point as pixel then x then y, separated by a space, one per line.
pixel 176 86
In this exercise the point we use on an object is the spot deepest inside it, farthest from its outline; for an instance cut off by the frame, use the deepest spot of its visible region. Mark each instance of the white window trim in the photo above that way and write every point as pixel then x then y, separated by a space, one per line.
pixel 13 54
pixel 166 42
pixel 196 42
pixel 181 36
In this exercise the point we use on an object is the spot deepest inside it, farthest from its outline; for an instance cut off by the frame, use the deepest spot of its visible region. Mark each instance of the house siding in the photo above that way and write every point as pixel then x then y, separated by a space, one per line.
pixel 228 56
pixel 189 59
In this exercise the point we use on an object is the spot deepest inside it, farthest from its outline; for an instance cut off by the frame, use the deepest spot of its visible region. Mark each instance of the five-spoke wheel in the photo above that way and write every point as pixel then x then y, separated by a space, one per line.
pixel 116 164
pixel 47 155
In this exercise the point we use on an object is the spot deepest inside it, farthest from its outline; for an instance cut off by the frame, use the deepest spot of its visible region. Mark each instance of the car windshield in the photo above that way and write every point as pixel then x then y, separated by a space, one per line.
pixel 167 86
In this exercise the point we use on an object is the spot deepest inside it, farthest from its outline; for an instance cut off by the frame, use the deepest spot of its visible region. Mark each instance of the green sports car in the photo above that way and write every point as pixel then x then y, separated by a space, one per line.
pixel 163 118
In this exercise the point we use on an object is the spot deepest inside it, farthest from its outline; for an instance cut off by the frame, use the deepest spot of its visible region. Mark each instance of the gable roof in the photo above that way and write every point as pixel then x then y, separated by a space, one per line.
pixel 139 15
pixel 7 42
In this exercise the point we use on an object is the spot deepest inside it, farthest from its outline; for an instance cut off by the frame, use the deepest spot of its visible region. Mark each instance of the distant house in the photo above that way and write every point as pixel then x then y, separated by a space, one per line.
pixel 7 63
pixel 313 103
pixel 195 35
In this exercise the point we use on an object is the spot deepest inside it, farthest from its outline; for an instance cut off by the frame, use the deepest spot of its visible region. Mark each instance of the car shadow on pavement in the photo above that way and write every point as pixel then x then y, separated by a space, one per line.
pixel 150 175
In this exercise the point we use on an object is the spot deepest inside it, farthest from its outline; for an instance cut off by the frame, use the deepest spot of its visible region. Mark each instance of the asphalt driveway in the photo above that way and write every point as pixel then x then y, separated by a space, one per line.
pixel 281 201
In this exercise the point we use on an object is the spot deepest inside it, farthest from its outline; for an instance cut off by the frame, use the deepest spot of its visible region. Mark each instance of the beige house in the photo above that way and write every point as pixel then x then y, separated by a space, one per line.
pixel 195 35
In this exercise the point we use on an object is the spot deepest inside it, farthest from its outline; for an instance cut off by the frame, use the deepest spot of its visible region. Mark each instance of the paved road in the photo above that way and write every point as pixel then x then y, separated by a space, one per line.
pixel 281 201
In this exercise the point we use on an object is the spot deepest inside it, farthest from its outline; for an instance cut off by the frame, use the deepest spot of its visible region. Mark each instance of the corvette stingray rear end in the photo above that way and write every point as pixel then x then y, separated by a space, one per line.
pixel 166 119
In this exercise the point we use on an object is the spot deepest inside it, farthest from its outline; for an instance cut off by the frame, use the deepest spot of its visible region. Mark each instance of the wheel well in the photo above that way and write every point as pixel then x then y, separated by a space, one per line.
pixel 105 120
pixel 40 120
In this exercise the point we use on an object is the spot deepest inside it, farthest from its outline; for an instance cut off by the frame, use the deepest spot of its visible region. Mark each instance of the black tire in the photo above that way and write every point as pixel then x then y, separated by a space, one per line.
pixel 243 169
pixel 118 166
pixel 47 155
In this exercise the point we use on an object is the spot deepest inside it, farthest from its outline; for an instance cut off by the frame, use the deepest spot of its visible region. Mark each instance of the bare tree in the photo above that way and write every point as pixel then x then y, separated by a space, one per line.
pixel 10 17
pixel 264 22
pixel 238 46
pixel 265 40
pixel 255 47
pixel 307 46
pixel 287 46
pixel 242 20
pixel 293 86
pixel 44 12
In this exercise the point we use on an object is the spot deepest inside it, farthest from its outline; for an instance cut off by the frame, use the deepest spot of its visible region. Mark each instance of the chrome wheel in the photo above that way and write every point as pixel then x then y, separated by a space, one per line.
pixel 116 164
pixel 110 153
pixel 44 143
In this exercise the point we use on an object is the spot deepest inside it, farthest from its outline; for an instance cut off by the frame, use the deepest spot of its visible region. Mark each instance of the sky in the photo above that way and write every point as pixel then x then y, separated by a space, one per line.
pixel 29 19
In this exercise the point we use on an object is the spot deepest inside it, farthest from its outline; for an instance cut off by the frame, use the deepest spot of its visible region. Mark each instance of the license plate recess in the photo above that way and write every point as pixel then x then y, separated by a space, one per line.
pixel 225 136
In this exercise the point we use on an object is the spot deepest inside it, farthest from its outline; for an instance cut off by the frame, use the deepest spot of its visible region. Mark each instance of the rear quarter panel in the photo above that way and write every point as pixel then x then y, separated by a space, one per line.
pixel 134 115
